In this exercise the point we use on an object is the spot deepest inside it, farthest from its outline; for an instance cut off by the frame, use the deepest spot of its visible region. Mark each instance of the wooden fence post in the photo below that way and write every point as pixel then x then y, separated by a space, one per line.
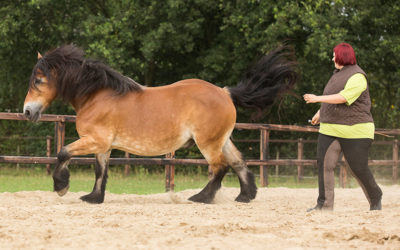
pixel 18 153
pixel 127 166
pixel 169 174
pixel 264 149
pixel 48 152
pixel 277 166
pixel 395 161
pixel 300 168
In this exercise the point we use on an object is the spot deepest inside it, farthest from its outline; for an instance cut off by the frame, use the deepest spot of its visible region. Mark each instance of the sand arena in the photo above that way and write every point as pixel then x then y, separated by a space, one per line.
pixel 276 219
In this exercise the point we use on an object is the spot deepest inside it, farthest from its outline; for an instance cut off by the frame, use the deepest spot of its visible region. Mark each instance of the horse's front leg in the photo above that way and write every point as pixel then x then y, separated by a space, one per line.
pixel 61 172
pixel 82 146
pixel 97 195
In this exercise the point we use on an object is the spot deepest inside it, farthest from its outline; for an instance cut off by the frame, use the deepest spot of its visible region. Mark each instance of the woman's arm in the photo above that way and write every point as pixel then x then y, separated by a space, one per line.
pixel 331 99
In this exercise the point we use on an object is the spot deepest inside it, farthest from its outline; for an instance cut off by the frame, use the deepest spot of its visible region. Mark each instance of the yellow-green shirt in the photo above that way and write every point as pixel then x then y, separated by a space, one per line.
pixel 356 84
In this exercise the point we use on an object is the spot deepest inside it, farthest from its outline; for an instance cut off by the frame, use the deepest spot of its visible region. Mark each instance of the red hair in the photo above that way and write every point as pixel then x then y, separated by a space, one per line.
pixel 344 54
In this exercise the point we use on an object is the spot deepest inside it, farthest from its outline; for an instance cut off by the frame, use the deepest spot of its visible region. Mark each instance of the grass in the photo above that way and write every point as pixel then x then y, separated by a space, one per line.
pixel 35 178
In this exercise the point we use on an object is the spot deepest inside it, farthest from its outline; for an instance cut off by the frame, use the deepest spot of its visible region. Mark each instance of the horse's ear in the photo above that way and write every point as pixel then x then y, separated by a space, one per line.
pixel 39 55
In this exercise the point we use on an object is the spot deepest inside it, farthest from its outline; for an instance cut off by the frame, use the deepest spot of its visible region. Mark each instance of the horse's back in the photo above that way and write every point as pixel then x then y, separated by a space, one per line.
pixel 198 98
pixel 195 87
pixel 194 100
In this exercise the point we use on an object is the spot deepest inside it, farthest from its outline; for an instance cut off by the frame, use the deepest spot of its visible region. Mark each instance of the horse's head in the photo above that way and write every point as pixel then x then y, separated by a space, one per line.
pixel 42 91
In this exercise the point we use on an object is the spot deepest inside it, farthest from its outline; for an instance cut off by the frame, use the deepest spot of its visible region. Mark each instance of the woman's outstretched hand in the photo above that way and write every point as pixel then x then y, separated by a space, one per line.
pixel 310 98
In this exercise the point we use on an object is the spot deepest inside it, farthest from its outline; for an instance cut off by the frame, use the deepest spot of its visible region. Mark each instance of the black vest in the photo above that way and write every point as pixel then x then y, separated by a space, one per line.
pixel 358 112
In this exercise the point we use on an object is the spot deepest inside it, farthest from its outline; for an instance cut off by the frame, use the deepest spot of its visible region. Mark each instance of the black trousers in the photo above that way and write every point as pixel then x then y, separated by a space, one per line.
pixel 355 152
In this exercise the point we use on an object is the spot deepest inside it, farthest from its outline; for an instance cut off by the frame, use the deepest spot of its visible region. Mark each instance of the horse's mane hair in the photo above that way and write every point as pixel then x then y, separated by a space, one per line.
pixel 78 77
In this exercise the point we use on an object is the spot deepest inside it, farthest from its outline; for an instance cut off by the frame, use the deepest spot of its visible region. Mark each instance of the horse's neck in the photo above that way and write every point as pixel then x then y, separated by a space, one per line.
pixel 92 100
pixel 82 103
pixel 77 104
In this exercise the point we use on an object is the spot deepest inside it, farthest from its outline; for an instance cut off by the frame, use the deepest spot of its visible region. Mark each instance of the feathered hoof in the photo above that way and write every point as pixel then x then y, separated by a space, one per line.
pixel 61 181
pixel 201 198
pixel 63 191
pixel 251 189
pixel 253 192
pixel 94 198
pixel 243 198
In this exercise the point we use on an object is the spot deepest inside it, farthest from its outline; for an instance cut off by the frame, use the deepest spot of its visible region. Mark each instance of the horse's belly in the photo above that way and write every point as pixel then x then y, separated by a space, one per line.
pixel 148 146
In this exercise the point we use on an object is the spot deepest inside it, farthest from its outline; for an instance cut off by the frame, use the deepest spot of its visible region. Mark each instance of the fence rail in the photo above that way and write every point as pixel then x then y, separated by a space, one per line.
pixel 170 161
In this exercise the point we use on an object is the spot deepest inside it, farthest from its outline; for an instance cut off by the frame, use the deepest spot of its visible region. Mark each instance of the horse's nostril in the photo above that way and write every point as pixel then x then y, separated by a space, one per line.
pixel 27 113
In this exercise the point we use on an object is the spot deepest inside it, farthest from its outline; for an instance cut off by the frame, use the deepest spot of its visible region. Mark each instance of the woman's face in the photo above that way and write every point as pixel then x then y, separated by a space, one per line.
pixel 338 66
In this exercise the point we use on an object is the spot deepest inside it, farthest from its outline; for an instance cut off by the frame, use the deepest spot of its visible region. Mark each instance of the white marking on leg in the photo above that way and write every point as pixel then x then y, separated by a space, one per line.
pixel 98 183
pixel 64 165
pixel 234 158
pixel 241 172
pixel 102 161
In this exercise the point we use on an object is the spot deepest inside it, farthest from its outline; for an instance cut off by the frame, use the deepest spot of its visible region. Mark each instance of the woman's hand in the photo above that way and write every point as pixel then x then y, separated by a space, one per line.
pixel 310 98
pixel 315 119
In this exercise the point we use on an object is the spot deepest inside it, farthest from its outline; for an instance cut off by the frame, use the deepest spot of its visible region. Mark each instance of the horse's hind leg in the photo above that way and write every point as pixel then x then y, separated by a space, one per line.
pixel 219 168
pixel 248 188
pixel 208 193
pixel 97 195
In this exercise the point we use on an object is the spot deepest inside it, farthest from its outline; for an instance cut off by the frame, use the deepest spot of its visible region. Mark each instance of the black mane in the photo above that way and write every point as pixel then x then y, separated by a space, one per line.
pixel 78 77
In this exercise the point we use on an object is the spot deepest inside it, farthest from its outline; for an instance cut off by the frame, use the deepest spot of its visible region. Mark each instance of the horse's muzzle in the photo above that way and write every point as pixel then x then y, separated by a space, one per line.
pixel 32 112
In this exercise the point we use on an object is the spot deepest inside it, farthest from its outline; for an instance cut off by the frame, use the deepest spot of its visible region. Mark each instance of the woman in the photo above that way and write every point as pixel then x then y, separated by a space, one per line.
pixel 346 124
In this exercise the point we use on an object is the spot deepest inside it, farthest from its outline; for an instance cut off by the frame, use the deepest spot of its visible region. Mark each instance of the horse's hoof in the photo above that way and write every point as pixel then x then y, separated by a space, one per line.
pixel 61 181
pixel 201 198
pixel 93 198
pixel 243 198
pixel 377 205
pixel 252 187
pixel 63 191
pixel 253 192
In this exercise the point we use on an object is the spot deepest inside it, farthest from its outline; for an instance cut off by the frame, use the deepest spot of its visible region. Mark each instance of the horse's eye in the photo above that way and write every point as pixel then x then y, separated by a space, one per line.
pixel 38 81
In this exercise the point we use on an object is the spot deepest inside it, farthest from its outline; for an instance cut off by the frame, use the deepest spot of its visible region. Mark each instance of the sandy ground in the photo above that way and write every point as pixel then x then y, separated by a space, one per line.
pixel 276 219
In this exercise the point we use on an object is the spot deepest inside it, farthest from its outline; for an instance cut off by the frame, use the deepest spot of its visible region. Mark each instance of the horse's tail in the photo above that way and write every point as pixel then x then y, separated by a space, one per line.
pixel 273 75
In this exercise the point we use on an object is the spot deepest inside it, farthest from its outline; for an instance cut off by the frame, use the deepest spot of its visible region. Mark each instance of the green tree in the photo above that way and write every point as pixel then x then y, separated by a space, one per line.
pixel 160 42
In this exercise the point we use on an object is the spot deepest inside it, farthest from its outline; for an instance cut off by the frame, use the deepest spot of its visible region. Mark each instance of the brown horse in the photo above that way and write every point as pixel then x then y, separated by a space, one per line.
pixel 115 112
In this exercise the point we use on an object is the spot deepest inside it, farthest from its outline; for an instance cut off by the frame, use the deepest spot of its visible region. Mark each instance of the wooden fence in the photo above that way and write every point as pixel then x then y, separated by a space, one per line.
pixel 169 161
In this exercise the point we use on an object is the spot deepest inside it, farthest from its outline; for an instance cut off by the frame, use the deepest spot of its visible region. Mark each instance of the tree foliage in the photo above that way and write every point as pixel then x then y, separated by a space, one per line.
pixel 160 42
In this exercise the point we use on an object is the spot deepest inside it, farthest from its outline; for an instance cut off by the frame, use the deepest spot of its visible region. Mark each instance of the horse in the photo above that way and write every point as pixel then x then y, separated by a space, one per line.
pixel 115 112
